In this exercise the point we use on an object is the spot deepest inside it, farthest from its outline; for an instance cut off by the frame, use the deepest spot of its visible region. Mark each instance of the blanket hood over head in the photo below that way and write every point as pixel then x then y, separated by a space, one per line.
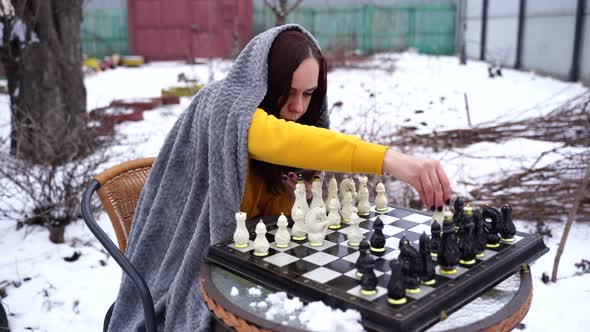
pixel 192 193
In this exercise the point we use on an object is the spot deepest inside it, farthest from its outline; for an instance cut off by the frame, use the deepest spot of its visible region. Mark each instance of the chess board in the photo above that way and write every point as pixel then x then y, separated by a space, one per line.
pixel 327 273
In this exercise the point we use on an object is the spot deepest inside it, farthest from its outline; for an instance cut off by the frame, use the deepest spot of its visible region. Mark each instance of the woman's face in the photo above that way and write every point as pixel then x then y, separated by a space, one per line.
pixel 303 84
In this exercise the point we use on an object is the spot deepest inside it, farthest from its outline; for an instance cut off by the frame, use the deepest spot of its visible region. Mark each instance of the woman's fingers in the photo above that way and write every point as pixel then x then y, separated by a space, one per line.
pixel 444 181
pixel 427 187
pixel 437 193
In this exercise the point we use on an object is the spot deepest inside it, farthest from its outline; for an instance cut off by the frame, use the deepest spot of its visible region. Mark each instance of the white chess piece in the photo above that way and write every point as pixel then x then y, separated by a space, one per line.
pixel 298 232
pixel 439 216
pixel 344 187
pixel 333 216
pixel 316 225
pixel 317 199
pixel 355 235
pixel 381 199
pixel 282 236
pixel 241 234
pixel 261 244
pixel 300 198
pixel 333 192
pixel 364 207
pixel 347 208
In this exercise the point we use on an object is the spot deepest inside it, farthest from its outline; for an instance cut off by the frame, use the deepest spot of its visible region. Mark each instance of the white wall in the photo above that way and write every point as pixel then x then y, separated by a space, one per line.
pixel 548 35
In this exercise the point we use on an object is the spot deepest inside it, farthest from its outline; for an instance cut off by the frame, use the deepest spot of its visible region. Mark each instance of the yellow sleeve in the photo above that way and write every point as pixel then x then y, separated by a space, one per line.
pixel 292 144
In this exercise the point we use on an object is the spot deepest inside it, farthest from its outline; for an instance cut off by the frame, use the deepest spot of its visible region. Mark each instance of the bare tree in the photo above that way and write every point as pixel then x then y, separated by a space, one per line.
pixel 41 53
pixel 281 9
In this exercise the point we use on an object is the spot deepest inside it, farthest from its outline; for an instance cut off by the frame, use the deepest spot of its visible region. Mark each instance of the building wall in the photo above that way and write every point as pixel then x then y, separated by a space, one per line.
pixel 548 35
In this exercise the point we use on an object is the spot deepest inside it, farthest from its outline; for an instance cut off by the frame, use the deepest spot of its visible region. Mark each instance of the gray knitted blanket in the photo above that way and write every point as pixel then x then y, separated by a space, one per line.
pixel 194 189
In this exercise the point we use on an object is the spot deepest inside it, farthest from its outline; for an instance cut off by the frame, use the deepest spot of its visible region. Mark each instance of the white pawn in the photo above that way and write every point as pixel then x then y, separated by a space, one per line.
pixel 282 236
pixel 316 226
pixel 241 235
pixel 364 207
pixel 317 199
pixel 381 199
pixel 347 208
pixel 300 198
pixel 355 235
pixel 298 232
pixel 261 244
pixel 333 216
pixel 333 192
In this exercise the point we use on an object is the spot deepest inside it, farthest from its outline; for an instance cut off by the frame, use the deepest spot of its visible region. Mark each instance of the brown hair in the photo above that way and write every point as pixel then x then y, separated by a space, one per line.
pixel 288 51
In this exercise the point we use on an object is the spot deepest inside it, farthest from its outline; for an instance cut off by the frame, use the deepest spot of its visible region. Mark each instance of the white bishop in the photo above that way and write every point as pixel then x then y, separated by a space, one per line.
pixel 381 199
pixel 282 236
pixel 364 207
pixel 300 198
pixel 317 199
pixel 333 216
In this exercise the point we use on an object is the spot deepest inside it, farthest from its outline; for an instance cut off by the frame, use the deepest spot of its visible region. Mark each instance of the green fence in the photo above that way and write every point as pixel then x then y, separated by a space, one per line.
pixel 428 28
pixel 104 32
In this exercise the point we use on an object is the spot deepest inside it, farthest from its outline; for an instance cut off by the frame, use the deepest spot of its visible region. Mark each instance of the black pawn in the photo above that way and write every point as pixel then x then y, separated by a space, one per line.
pixel 363 253
pixel 403 241
pixel 507 229
pixel 435 230
pixel 369 279
pixel 396 291
pixel 491 228
pixel 467 240
pixel 427 274
pixel 479 233
pixel 449 254
pixel 377 239
pixel 411 279
pixel 458 214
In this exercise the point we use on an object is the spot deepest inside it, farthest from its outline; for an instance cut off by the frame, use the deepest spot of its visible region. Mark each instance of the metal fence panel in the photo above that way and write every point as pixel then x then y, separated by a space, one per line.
pixel 368 28
pixel 104 32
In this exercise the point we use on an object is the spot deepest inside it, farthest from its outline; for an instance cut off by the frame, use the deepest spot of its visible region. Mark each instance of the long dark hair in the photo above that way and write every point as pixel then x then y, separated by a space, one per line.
pixel 288 51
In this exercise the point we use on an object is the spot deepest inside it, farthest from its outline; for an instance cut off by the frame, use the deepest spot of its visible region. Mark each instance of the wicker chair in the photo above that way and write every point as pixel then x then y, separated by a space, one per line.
pixel 119 188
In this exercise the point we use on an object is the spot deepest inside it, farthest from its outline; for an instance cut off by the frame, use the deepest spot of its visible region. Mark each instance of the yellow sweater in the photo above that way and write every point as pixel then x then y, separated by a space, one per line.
pixel 292 144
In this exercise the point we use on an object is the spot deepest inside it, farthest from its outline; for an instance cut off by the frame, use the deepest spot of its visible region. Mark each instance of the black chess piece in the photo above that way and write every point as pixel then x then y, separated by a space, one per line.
pixel 427 274
pixel 479 234
pixel 396 291
pixel 363 252
pixel 402 241
pixel 435 230
pixel 411 277
pixel 369 279
pixel 467 240
pixel 458 214
pixel 507 229
pixel 491 228
pixel 377 239
pixel 449 254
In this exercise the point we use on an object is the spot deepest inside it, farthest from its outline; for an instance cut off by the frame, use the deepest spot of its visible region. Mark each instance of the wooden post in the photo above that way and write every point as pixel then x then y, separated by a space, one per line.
pixel 467 110
pixel 570 220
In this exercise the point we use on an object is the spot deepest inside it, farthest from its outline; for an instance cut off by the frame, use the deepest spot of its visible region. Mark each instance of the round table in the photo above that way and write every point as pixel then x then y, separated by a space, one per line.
pixel 499 309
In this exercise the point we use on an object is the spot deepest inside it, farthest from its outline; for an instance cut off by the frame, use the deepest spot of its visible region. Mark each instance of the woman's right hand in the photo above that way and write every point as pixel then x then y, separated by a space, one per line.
pixel 425 175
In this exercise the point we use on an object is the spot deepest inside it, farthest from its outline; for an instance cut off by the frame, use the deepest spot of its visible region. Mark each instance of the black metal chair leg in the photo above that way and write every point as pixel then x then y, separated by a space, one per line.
pixel 107 318
pixel 124 263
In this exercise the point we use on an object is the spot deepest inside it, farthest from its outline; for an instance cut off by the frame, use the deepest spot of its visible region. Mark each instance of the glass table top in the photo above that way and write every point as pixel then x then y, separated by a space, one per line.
pixel 485 305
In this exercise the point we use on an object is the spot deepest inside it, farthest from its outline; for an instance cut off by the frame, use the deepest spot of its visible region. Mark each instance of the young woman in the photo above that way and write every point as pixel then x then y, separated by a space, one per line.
pixel 236 148
pixel 296 93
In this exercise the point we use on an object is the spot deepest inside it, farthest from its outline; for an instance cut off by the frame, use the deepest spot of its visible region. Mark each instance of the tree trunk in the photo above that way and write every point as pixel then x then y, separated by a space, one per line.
pixel 45 80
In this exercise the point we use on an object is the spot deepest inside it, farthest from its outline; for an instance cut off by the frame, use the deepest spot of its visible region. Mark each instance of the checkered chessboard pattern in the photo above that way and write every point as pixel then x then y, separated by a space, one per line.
pixel 332 264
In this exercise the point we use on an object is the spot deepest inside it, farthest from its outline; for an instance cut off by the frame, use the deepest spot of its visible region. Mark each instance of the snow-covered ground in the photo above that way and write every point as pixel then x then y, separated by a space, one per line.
pixel 46 293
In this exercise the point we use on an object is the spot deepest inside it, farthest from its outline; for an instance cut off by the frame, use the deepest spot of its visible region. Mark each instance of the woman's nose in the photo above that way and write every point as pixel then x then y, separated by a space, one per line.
pixel 297 104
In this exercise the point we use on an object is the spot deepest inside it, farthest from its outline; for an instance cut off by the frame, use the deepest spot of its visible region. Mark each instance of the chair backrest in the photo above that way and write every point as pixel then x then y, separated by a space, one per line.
pixel 120 187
